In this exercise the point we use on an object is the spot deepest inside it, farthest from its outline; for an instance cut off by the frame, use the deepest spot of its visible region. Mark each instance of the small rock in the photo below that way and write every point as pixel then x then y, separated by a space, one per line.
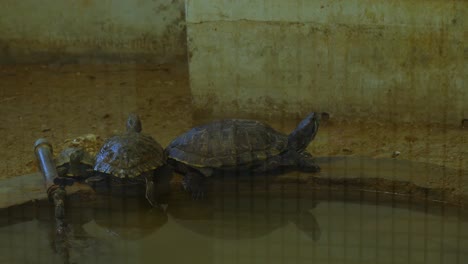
pixel 91 137
pixel 76 141
pixel 464 123
pixel 411 139
pixel 45 128
pixel 325 116
pixel 396 154
pixel 347 151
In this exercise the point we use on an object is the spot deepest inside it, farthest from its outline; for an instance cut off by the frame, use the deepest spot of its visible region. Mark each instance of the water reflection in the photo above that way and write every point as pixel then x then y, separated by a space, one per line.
pixel 232 217
pixel 237 224
pixel 126 218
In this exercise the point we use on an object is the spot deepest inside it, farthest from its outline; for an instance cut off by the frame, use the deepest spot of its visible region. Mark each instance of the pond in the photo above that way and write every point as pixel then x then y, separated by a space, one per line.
pixel 238 229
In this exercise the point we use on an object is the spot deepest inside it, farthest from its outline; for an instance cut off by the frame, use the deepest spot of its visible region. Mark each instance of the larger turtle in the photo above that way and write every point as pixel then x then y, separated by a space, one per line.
pixel 239 144
pixel 132 156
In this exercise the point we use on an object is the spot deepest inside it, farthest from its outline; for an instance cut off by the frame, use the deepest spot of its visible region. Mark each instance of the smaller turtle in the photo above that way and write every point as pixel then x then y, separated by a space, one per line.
pixel 74 162
pixel 240 144
pixel 132 156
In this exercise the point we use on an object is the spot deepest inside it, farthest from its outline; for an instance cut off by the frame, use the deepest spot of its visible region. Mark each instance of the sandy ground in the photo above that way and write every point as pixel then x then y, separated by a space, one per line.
pixel 60 102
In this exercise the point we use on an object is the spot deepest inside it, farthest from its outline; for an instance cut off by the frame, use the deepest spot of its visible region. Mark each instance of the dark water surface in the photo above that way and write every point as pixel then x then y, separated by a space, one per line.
pixel 236 229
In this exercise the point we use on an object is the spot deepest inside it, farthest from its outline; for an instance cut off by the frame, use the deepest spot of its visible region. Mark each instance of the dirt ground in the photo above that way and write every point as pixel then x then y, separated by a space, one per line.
pixel 60 102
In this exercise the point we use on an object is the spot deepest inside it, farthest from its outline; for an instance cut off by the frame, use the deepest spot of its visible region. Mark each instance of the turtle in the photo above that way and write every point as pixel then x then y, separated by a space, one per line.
pixel 132 156
pixel 240 144
pixel 74 163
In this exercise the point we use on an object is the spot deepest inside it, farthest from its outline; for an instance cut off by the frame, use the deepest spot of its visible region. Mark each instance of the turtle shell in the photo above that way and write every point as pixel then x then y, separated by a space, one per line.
pixel 62 162
pixel 64 157
pixel 129 155
pixel 227 143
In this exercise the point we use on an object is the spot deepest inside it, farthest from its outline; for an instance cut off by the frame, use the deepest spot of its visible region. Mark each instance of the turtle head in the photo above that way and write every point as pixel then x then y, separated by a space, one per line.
pixel 76 156
pixel 133 123
pixel 300 138
pixel 75 162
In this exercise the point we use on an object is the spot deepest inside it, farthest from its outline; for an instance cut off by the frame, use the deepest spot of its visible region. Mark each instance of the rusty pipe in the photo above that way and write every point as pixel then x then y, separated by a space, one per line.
pixel 55 192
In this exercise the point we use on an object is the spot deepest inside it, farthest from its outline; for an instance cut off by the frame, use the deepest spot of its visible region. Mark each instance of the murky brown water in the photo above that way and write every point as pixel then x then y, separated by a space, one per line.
pixel 238 229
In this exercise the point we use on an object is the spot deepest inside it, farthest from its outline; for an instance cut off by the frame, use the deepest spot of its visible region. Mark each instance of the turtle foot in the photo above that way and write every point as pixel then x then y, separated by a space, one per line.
pixel 94 179
pixel 64 181
pixel 150 191
pixel 307 163
pixel 195 184
pixel 311 168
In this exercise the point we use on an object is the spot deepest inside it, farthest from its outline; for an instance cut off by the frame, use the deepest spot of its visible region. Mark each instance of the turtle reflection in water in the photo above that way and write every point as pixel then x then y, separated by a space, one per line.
pixel 136 222
pixel 238 144
pixel 232 217
pixel 133 157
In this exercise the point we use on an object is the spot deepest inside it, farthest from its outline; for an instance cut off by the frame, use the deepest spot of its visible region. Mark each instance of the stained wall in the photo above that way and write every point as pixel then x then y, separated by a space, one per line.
pixel 391 60
pixel 56 30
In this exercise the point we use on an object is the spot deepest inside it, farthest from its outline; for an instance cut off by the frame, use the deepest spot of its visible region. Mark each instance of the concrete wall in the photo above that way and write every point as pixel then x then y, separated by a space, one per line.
pixel 394 60
pixel 50 30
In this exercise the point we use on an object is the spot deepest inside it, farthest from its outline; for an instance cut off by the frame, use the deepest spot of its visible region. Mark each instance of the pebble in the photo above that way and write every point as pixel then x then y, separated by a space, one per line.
pixel 347 151
pixel 464 123
pixel 45 128
pixel 325 116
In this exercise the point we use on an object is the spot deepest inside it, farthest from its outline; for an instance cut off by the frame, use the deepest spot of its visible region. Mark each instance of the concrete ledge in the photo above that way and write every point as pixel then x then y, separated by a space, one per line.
pixel 350 179
pixel 27 188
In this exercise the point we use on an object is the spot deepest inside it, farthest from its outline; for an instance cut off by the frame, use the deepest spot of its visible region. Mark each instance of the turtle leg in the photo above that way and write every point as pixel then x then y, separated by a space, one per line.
pixel 194 182
pixel 95 179
pixel 150 188
pixel 306 162
pixel 62 171
pixel 271 164
pixel 162 177
pixel 306 222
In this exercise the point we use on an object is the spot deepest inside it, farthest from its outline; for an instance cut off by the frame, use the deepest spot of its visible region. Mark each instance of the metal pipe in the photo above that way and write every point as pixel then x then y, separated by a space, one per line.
pixel 55 191
pixel 44 151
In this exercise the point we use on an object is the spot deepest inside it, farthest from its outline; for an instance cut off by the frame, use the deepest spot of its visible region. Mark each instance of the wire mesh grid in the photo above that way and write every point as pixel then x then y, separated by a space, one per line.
pixel 390 190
